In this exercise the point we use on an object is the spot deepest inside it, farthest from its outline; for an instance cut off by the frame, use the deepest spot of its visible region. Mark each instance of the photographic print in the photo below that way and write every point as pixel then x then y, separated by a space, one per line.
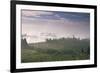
pixel 52 36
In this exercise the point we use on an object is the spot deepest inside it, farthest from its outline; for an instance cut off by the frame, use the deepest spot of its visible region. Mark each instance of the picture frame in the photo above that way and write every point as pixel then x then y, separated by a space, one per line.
pixel 22 12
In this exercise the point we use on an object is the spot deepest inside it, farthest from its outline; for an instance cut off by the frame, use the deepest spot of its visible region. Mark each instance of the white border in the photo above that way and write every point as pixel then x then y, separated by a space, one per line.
pixel 20 65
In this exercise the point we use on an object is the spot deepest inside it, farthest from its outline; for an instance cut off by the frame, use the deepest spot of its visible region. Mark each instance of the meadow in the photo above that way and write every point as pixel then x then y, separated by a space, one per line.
pixel 62 49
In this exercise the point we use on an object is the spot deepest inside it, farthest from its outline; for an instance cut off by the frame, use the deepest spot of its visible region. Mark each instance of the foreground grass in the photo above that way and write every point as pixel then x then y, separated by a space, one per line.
pixel 37 55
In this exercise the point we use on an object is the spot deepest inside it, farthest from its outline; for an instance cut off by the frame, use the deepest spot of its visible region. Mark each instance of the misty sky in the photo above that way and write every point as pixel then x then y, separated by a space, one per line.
pixel 39 25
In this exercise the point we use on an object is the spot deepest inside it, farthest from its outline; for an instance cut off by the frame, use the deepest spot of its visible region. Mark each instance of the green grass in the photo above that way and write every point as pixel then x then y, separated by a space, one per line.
pixel 63 49
pixel 29 55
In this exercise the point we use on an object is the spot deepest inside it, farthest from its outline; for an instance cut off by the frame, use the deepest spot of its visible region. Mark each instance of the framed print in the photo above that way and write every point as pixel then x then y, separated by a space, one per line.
pixel 52 36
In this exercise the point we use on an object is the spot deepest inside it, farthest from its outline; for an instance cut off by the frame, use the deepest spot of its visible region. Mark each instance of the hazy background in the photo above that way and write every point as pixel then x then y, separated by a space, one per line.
pixel 39 25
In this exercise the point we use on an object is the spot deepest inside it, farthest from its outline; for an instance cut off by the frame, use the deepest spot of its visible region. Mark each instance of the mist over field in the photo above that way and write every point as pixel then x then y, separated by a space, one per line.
pixel 40 25
pixel 54 36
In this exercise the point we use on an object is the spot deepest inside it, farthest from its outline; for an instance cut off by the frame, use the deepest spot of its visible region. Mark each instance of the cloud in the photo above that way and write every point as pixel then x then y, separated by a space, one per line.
pixel 40 25
pixel 35 13
pixel 30 17
pixel 40 15
pixel 48 15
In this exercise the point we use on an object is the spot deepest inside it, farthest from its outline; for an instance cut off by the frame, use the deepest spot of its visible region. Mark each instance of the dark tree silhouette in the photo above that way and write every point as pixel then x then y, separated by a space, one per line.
pixel 24 44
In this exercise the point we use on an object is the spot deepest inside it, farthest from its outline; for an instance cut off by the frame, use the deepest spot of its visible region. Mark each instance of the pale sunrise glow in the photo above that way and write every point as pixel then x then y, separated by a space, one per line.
pixel 39 25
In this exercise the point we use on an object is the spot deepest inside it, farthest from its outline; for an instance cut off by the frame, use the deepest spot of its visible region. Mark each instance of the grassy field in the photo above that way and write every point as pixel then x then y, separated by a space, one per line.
pixel 56 50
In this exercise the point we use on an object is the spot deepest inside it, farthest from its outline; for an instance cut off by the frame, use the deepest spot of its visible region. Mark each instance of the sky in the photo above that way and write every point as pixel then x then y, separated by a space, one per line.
pixel 40 25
